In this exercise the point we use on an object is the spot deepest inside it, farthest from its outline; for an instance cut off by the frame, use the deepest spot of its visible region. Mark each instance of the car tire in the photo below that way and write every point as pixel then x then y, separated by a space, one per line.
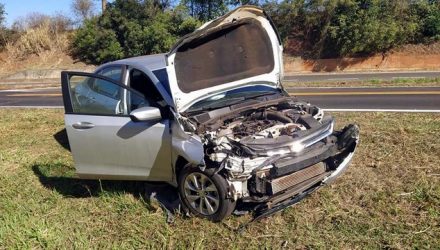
pixel 204 194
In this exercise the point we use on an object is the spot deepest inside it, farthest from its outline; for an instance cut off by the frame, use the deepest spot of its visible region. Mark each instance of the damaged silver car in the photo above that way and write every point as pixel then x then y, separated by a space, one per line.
pixel 210 117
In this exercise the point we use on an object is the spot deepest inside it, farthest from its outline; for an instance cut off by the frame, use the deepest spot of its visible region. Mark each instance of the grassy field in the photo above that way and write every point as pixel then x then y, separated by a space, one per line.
pixel 389 197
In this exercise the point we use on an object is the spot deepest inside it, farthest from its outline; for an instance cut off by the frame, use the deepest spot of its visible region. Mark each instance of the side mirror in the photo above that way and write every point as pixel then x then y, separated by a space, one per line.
pixel 145 114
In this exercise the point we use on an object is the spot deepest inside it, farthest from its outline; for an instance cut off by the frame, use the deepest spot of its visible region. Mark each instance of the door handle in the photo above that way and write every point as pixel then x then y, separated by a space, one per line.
pixel 83 125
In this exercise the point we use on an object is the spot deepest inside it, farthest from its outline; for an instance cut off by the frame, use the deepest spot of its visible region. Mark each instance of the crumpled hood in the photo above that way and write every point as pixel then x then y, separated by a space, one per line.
pixel 237 49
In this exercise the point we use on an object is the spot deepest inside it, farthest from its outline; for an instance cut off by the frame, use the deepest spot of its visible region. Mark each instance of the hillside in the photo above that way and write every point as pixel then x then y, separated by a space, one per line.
pixel 47 64
pixel 407 57
pixel 47 60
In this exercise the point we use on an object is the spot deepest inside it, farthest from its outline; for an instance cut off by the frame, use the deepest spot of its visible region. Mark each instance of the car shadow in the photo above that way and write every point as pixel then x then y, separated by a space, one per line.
pixel 131 129
pixel 71 187
pixel 61 138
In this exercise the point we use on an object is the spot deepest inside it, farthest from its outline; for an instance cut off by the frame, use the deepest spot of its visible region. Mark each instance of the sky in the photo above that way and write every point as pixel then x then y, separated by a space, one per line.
pixel 20 8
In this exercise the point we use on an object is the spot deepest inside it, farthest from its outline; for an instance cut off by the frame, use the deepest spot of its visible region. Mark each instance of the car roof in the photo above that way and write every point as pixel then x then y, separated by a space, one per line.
pixel 147 64
pixel 150 62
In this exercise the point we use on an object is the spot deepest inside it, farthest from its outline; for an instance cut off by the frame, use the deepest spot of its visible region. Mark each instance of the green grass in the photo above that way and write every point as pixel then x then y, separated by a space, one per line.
pixel 389 197
pixel 398 82
pixel 420 80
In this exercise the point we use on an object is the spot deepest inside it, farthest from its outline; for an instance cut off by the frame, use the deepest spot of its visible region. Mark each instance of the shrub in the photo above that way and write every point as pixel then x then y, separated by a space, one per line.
pixel 359 29
pixel 333 28
pixel 130 28
pixel 96 45
pixel 431 24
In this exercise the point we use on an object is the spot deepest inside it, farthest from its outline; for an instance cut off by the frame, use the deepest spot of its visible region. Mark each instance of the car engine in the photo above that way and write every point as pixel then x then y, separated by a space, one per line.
pixel 243 141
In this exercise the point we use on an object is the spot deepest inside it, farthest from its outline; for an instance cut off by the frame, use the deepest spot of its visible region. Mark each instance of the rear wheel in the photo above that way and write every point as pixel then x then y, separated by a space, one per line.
pixel 204 194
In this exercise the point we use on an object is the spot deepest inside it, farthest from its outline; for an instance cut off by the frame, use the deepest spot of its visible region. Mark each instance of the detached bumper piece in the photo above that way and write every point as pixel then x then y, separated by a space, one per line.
pixel 293 178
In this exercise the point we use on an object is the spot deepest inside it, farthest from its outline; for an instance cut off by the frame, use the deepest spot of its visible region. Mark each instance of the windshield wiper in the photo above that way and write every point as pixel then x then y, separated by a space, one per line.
pixel 228 102
pixel 259 95
pixel 218 104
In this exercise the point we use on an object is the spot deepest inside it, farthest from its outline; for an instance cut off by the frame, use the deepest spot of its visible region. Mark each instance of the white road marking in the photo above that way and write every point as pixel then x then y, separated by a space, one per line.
pixel 385 110
pixel 359 87
pixel 361 73
pixel 30 90
pixel 33 107
pixel 341 79
pixel 338 93
pixel 409 77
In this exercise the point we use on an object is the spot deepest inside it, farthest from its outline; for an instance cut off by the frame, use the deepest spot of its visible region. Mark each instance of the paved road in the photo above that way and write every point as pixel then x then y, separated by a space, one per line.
pixel 336 77
pixel 396 98
pixel 393 98
pixel 35 97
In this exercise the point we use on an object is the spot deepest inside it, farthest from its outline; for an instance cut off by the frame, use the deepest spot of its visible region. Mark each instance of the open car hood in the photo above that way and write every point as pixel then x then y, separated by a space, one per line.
pixel 237 49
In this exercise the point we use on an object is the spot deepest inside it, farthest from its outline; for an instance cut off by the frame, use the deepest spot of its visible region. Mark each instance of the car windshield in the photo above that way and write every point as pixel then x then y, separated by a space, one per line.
pixel 232 97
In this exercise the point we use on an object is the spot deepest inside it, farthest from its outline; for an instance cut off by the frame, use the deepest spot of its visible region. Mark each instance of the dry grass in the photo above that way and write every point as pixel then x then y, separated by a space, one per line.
pixel 41 47
pixel 418 49
pixel 389 197
pixel 38 41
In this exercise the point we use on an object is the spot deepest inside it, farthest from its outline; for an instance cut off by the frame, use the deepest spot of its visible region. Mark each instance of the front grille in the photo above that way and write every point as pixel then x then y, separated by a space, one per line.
pixel 279 184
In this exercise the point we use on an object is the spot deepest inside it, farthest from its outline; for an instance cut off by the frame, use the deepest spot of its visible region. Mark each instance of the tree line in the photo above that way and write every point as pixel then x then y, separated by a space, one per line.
pixel 309 28
pixel 335 28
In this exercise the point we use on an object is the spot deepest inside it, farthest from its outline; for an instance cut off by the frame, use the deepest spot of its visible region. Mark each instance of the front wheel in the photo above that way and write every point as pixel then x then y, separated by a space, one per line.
pixel 205 195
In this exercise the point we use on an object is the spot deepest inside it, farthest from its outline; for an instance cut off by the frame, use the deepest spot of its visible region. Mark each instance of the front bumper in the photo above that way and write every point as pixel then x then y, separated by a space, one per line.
pixel 339 170
pixel 296 193
pixel 322 165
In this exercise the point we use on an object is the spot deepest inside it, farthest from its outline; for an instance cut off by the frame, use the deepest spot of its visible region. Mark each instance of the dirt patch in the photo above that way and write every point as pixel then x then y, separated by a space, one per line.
pixel 46 61
pixel 396 61
pixel 407 57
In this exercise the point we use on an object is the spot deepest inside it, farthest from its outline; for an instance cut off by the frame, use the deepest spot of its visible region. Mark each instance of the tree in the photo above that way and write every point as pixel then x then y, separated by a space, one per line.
pixel 2 14
pixel 334 28
pixel 428 14
pixel 366 27
pixel 131 28
pixel 246 2
pixel 103 5
pixel 83 9
pixel 205 10
pixel 3 32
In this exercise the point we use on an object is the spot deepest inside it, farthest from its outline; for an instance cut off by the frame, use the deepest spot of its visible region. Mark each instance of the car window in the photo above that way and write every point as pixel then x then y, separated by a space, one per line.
pixel 113 72
pixel 143 84
pixel 91 95
pixel 106 88
pixel 232 97
pixel 162 76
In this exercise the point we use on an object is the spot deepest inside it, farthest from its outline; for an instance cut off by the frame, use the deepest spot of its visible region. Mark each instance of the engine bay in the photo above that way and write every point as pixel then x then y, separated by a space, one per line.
pixel 243 140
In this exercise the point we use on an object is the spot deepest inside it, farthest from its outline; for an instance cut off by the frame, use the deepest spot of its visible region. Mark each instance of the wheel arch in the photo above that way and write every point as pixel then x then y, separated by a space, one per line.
pixel 180 163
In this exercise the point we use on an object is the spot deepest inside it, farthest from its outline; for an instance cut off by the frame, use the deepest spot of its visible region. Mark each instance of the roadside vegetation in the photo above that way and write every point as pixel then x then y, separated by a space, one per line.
pixel 330 29
pixel 309 29
pixel 37 41
pixel 389 197
pixel 131 28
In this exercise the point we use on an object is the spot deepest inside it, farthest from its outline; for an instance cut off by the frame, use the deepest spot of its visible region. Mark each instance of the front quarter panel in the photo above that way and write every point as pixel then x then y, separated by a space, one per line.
pixel 188 146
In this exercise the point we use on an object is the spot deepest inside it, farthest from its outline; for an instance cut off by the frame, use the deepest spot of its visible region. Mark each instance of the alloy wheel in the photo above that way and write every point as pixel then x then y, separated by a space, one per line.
pixel 201 193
